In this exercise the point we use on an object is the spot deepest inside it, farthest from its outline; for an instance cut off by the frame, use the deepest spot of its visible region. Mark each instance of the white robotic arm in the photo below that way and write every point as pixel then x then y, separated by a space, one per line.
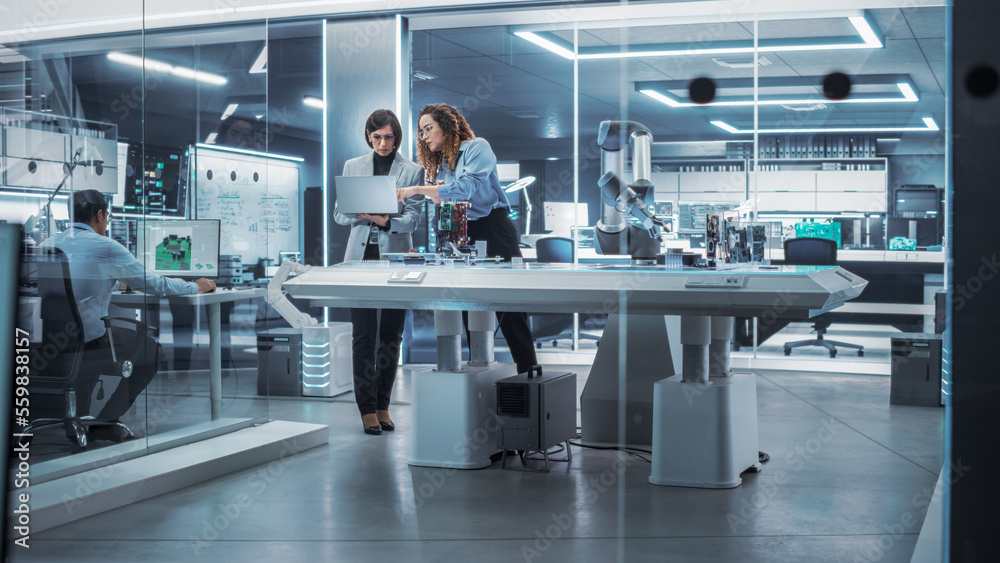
pixel 276 297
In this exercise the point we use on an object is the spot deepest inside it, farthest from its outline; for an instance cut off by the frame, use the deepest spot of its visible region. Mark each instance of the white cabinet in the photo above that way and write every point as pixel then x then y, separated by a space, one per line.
pixel 869 202
pixel 786 201
pixel 782 181
pixel 690 182
pixel 855 180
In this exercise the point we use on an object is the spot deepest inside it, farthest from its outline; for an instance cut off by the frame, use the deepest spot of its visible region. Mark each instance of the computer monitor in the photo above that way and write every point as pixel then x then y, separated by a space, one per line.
pixel 153 181
pixel 560 216
pixel 182 248
pixel 917 203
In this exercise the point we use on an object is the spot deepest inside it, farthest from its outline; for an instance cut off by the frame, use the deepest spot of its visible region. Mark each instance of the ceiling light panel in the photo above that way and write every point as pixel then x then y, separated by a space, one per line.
pixel 790 90
pixel 927 125
pixel 723 39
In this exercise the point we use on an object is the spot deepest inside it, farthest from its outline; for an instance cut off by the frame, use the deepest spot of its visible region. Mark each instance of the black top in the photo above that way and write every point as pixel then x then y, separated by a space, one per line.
pixel 383 164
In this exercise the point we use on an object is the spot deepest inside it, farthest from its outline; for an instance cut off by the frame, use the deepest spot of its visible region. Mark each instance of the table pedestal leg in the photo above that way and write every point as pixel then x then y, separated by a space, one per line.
pixel 704 428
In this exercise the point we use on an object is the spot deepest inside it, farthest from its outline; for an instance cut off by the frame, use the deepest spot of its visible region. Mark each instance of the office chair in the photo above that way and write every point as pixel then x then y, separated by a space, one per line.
pixel 550 250
pixel 60 360
pixel 816 252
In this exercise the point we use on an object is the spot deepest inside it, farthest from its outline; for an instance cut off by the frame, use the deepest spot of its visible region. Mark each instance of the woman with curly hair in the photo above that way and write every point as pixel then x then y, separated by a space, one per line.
pixel 462 167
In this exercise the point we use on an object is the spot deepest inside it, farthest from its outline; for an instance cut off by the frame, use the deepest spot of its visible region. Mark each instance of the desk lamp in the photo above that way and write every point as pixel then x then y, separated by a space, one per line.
pixel 523 184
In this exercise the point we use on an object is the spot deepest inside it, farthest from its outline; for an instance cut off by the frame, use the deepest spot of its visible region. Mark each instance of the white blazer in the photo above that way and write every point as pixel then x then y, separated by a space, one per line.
pixel 398 237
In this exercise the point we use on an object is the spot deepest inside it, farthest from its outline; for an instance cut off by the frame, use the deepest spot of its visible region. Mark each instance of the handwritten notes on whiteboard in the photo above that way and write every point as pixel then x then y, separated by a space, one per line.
pixel 255 197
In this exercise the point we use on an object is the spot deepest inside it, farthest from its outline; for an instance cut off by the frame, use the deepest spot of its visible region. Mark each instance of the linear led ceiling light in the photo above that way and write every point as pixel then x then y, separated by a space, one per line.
pixel 253 153
pixel 929 125
pixel 313 102
pixel 868 37
pixel 157 66
pixel 660 90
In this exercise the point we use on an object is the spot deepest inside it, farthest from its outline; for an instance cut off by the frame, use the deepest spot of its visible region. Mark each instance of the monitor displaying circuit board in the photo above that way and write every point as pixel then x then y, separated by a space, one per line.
pixel 182 248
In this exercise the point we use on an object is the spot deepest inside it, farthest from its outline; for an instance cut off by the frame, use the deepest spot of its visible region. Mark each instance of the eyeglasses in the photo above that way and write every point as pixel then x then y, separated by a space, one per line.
pixel 425 131
pixel 377 139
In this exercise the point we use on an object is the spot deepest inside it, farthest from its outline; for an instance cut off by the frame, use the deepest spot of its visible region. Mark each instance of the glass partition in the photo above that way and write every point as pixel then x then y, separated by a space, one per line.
pixel 198 185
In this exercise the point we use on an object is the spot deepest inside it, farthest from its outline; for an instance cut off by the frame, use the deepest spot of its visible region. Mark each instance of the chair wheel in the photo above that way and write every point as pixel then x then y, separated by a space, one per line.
pixel 788 351
pixel 538 345
pixel 555 343
pixel 833 353
pixel 861 353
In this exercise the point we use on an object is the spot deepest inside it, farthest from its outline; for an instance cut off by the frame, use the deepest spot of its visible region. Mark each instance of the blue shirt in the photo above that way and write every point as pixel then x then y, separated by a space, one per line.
pixel 96 264
pixel 474 179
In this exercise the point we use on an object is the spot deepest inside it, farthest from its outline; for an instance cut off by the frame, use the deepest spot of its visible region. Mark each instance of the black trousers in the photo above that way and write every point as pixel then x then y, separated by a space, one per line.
pixel 375 345
pixel 501 240
pixel 97 360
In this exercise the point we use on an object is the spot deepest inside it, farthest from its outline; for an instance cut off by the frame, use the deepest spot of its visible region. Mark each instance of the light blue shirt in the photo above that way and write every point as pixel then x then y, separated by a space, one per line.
pixel 96 264
pixel 474 179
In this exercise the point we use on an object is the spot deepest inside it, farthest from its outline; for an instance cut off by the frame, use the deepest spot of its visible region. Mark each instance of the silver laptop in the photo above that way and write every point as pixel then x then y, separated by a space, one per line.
pixel 375 195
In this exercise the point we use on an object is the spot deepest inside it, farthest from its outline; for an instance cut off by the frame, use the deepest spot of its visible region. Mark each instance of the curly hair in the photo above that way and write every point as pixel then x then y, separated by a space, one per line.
pixel 455 130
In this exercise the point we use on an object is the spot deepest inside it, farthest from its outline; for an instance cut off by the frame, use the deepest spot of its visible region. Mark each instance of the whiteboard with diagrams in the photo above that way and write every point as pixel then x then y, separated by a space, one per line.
pixel 255 197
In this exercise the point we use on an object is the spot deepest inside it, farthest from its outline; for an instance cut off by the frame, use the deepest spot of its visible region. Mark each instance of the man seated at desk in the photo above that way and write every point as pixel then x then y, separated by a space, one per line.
pixel 96 264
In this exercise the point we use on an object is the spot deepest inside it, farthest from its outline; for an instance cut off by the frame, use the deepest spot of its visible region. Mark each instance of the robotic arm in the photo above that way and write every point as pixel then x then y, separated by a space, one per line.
pixel 614 234
pixel 276 297
pixel 627 200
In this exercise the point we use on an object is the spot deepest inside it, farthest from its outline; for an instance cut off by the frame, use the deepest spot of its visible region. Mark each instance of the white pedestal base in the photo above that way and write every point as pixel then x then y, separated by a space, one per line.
pixel 704 435
pixel 454 416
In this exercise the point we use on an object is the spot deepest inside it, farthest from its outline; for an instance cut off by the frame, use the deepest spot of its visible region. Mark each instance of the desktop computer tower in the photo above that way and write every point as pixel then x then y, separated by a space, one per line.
pixel 916 369
pixel 279 362
pixel 535 413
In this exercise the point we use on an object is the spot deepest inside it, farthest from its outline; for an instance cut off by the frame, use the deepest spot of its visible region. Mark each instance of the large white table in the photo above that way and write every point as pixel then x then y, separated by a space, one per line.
pixel 618 400
pixel 213 302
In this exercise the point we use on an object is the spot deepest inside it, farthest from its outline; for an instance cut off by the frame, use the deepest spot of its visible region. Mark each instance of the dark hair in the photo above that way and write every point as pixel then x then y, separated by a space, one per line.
pixel 379 119
pixel 86 204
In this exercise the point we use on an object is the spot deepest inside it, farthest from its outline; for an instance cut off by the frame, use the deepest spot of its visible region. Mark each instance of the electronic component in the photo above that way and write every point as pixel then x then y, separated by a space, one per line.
pixel 452 226
pixel 902 243
pixel 810 229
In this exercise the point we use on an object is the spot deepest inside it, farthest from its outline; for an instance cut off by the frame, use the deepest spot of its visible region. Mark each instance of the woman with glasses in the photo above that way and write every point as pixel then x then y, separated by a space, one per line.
pixel 376 338
pixel 462 167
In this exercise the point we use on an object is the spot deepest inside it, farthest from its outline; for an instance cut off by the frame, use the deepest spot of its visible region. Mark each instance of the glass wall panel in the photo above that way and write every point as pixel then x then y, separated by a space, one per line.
pixel 203 179
pixel 519 97
pixel 60 140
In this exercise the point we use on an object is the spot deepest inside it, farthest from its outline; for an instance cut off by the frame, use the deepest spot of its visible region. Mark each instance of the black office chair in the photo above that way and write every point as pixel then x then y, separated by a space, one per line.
pixel 554 250
pixel 59 362
pixel 816 252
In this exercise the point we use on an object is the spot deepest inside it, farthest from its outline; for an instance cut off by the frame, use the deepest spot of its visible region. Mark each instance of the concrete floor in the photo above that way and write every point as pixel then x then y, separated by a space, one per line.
pixel 849 479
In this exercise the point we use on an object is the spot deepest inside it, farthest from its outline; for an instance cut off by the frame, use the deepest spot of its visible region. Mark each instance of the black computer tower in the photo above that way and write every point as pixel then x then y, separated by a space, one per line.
pixel 279 362
pixel 916 369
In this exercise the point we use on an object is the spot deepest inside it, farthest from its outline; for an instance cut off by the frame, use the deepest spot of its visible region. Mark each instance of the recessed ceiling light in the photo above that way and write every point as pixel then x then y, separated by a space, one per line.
pixel 421 75
pixel 211 138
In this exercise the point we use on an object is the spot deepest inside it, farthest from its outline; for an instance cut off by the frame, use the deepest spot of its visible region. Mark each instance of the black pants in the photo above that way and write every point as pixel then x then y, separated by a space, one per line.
pixel 375 373
pixel 501 240
pixel 97 360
